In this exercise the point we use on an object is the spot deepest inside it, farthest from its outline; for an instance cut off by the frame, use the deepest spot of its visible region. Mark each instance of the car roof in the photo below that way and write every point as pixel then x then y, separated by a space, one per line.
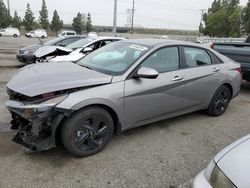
pixel 73 36
pixel 156 42
pixel 105 37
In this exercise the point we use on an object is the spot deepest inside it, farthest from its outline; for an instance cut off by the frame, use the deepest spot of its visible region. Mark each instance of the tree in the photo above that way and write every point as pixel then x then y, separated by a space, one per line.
pixel 5 18
pixel 44 20
pixel 223 19
pixel 29 19
pixel 218 24
pixel 78 23
pixel 56 23
pixel 216 6
pixel 89 23
pixel 246 17
pixel 16 21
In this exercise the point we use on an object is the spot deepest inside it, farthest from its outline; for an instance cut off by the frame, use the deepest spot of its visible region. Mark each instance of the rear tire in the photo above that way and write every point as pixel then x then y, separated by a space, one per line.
pixel 0 35
pixel 43 37
pixel 220 101
pixel 15 35
pixel 87 132
pixel 29 36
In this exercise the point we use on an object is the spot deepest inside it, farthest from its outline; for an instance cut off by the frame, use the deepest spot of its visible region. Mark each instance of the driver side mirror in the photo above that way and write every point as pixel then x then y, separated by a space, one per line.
pixel 145 72
pixel 87 50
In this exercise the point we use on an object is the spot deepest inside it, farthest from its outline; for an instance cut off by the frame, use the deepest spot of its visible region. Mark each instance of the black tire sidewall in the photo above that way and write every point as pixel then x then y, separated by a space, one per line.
pixel 70 125
pixel 211 109
pixel 15 36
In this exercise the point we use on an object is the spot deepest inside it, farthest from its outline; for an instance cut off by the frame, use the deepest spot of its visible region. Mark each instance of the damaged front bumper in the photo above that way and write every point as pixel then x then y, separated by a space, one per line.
pixel 36 124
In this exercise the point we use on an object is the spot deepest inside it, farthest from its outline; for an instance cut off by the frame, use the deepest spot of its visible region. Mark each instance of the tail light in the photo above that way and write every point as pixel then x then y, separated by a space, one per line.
pixel 212 46
pixel 239 70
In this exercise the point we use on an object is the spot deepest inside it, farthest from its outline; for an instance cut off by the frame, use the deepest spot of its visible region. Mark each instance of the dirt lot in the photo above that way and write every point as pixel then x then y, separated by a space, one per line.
pixel 166 154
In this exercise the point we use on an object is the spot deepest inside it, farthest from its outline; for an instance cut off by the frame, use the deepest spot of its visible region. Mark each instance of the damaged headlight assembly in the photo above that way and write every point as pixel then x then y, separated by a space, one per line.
pixel 33 120
pixel 30 111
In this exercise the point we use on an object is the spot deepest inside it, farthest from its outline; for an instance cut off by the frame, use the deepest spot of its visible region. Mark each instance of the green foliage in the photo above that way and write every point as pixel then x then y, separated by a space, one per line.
pixel 78 23
pixel 29 19
pixel 44 19
pixel 56 23
pixel 89 23
pixel 16 21
pixel 223 19
pixel 5 18
pixel 246 17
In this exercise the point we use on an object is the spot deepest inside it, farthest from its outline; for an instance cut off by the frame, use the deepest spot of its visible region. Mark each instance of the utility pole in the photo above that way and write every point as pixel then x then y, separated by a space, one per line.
pixel 8 2
pixel 202 13
pixel 115 18
pixel 133 13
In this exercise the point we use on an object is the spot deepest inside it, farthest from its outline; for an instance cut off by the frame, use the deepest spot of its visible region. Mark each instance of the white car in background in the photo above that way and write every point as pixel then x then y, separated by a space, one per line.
pixel 10 31
pixel 67 33
pixel 40 33
pixel 228 169
pixel 75 51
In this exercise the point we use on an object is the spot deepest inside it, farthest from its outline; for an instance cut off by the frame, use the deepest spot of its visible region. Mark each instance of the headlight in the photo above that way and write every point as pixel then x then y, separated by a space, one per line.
pixel 30 111
pixel 219 180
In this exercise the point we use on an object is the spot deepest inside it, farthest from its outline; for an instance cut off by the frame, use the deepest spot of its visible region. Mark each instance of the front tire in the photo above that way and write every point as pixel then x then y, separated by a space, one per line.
pixel 220 101
pixel 0 35
pixel 15 35
pixel 87 132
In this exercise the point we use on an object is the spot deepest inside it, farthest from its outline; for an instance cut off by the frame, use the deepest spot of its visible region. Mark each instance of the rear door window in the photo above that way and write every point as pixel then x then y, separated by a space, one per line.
pixel 196 57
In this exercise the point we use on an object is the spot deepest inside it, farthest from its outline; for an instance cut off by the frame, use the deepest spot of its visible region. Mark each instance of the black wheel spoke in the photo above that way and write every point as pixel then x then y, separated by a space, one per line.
pixel 81 139
pixel 92 143
pixel 96 122
pixel 101 132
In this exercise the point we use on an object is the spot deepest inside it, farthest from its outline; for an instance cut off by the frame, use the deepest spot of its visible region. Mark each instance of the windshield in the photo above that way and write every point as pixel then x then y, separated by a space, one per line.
pixel 80 43
pixel 53 41
pixel 115 58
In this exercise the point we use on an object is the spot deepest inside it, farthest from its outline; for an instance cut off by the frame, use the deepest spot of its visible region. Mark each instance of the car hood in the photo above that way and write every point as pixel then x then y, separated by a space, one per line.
pixel 32 47
pixel 235 163
pixel 43 78
pixel 46 51
pixel 73 56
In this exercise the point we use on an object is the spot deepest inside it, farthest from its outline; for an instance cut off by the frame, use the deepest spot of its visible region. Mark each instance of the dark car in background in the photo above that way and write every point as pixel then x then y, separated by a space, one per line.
pixel 26 54
pixel 238 51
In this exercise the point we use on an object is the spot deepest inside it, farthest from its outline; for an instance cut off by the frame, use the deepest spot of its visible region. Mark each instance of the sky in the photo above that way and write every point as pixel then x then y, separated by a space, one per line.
pixel 169 14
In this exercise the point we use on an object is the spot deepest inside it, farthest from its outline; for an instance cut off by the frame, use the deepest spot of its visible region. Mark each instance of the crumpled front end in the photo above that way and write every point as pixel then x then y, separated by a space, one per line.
pixel 35 120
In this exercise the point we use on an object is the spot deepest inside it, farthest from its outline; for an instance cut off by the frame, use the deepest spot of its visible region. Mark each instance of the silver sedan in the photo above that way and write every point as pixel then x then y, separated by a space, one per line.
pixel 120 86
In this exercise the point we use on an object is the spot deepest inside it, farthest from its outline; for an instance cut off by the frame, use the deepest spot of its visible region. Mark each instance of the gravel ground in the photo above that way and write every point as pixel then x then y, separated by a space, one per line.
pixel 166 154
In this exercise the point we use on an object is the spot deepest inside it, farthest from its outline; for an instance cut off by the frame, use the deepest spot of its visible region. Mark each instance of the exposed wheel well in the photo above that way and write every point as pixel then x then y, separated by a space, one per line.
pixel 117 126
pixel 230 89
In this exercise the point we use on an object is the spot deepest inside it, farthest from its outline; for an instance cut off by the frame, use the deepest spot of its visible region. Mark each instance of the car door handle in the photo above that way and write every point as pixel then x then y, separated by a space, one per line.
pixel 216 69
pixel 177 78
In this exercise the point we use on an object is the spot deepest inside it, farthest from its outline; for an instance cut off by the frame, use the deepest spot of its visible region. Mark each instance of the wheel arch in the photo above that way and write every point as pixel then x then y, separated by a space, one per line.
pixel 57 129
pixel 230 87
